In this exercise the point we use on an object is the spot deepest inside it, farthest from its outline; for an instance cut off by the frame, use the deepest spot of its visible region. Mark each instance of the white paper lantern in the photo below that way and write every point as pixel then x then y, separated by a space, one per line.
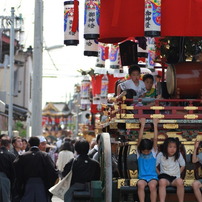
pixel 151 53
pixel 91 48
pixel 70 37
pixel 114 57
pixel 152 21
pixel 101 55
pixel 85 90
pixel 104 89
pixel 92 19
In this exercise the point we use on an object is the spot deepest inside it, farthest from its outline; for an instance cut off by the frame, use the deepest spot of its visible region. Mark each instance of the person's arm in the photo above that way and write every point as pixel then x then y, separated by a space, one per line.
pixel 118 90
pixel 155 121
pixel 181 169
pixel 182 163
pixel 142 125
pixel 158 162
pixel 194 156
pixel 67 168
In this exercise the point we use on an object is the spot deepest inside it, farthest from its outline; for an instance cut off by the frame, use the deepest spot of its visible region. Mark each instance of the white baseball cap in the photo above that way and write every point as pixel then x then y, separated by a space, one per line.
pixel 42 139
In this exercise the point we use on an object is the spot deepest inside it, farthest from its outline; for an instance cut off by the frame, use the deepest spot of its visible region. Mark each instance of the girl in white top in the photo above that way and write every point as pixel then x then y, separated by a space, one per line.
pixel 64 156
pixel 171 166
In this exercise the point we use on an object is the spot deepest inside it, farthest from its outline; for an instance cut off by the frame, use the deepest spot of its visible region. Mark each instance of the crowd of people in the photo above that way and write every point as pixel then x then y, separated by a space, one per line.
pixel 29 168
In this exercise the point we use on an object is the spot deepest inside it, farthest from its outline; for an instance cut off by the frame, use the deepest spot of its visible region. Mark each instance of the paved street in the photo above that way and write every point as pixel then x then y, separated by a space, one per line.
pixel 55 199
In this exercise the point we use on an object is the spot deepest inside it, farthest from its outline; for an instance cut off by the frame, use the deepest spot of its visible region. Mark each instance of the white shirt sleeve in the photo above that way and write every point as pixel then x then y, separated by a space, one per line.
pixel 181 160
pixel 143 88
pixel 154 153
pixel 158 158
pixel 124 85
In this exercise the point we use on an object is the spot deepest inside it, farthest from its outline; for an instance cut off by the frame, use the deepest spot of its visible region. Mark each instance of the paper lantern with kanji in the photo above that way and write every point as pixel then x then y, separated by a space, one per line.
pixel 114 56
pixel 152 23
pixel 151 53
pixel 91 48
pixel 85 90
pixel 101 55
pixel 92 19
pixel 71 32
pixel 104 86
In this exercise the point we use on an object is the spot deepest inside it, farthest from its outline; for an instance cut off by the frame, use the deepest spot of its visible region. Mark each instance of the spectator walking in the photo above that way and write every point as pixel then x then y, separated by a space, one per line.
pixel 35 174
pixel 64 156
pixel 84 169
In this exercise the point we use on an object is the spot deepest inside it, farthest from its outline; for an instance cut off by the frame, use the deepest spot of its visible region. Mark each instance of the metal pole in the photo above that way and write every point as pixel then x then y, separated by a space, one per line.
pixel 6 62
pixel 36 116
pixel 10 111
pixel 77 116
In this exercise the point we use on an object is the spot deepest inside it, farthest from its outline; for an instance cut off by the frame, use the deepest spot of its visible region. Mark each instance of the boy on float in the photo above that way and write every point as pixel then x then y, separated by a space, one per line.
pixel 134 82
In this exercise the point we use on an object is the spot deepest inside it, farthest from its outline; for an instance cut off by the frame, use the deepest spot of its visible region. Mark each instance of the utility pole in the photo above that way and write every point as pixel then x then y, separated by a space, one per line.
pixel 10 111
pixel 36 117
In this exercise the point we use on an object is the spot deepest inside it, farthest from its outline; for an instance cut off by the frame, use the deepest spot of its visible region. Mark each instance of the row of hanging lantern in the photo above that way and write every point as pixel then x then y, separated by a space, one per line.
pixel 86 92
pixel 100 50
pixel 152 20
pixel 91 22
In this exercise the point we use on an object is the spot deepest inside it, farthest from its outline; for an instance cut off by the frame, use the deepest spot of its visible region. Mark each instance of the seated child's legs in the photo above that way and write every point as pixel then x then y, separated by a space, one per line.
pixel 153 190
pixel 196 187
pixel 141 184
pixel 163 183
pixel 180 188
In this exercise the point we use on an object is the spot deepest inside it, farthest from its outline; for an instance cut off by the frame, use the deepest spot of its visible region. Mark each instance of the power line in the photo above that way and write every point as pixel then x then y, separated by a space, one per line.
pixel 51 57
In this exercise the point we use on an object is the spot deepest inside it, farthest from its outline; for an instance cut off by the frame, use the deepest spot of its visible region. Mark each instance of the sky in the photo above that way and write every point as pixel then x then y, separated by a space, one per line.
pixel 63 62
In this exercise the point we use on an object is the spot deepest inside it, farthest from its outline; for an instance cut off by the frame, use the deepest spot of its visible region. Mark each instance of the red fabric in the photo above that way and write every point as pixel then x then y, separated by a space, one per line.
pixel 97 80
pixel 44 119
pixel 181 18
pixel 112 82
pixel 57 120
pixel 120 19
pixel 106 52
pixel 96 84
pixel 93 109
pixel 76 16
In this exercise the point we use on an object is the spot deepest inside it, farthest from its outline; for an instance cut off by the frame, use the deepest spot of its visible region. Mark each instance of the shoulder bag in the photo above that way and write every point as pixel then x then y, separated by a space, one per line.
pixel 62 186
